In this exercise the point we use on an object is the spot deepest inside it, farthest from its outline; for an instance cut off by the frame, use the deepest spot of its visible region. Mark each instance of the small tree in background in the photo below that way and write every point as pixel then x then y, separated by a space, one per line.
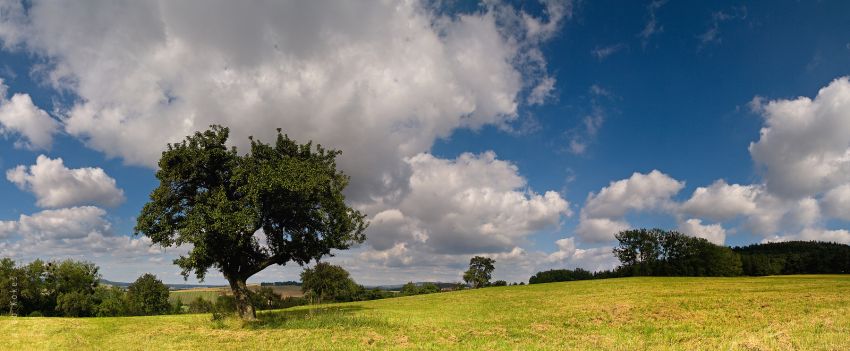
pixel 429 288
pixel 111 301
pixel 409 289
pixel 148 296
pixel 75 304
pixel 279 203
pixel 9 280
pixel 200 305
pixel 71 284
pixel 326 281
pixel 479 272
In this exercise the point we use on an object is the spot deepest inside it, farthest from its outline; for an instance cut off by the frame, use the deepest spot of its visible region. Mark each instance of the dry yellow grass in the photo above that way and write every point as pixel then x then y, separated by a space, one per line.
pixel 768 313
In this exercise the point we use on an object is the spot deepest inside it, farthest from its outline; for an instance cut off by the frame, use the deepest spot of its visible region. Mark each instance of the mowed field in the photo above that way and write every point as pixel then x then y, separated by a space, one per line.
pixel 211 294
pixel 765 313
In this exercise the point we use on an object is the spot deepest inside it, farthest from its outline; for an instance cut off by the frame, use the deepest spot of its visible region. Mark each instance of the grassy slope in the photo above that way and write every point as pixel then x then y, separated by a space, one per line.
pixel 794 312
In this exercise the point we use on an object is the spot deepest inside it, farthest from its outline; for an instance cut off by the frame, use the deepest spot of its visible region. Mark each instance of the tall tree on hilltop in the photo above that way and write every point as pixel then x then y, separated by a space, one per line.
pixel 479 272
pixel 278 203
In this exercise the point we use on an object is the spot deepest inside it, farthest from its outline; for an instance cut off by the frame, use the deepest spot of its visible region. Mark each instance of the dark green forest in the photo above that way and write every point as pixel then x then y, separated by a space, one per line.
pixel 656 252
pixel 795 257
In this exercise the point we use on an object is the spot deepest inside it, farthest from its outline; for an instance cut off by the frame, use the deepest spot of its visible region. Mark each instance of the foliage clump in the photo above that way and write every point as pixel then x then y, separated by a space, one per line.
pixel 480 270
pixel 668 253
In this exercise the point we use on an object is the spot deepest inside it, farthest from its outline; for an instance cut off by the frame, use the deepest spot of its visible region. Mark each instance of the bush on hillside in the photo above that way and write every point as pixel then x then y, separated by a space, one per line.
pixel 200 305
pixel 110 302
pixel 148 296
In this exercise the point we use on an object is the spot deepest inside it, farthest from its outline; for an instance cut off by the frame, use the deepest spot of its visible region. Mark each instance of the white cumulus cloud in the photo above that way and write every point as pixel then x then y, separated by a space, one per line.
pixel 711 232
pixel 569 256
pixel 56 185
pixel 472 204
pixel 19 116
pixel 639 192
pixel 600 229
pixel 837 202
pixel 804 147
pixel 603 212
pixel 343 75
pixel 381 81
pixel 721 201
pixel 763 212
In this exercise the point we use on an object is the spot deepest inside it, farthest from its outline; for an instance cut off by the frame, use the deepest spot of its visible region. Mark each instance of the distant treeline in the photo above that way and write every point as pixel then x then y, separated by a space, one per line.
pixel 795 257
pixel 72 289
pixel 286 283
pixel 567 275
pixel 655 252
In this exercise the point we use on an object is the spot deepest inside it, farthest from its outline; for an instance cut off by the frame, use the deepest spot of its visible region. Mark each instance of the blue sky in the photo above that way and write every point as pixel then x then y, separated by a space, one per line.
pixel 572 99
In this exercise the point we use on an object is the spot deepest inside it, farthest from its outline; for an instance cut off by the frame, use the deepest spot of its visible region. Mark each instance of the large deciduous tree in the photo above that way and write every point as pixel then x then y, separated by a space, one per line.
pixel 277 203
pixel 480 269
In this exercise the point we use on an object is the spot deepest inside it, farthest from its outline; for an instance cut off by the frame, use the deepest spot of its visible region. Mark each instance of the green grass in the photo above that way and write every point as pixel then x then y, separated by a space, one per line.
pixel 768 313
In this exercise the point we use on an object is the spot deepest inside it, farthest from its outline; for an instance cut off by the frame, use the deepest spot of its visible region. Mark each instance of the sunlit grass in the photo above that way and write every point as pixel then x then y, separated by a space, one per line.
pixel 769 313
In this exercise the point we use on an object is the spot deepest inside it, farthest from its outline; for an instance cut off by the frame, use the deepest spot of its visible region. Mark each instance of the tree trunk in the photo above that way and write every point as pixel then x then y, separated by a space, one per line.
pixel 243 302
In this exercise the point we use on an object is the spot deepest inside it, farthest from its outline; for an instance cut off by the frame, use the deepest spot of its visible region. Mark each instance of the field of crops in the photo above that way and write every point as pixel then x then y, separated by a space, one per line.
pixel 766 313
pixel 211 294
pixel 188 295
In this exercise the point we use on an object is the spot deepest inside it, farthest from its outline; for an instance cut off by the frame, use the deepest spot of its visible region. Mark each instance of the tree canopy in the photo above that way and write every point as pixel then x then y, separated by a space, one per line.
pixel 148 296
pixel 669 253
pixel 795 257
pixel 479 272
pixel 560 275
pixel 64 288
pixel 326 281
pixel 278 203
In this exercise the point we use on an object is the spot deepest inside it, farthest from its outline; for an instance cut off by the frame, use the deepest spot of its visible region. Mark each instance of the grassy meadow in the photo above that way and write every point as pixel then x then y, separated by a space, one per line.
pixel 764 313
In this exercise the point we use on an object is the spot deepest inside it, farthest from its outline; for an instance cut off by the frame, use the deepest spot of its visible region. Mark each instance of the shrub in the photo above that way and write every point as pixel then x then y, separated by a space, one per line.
pixel 148 296
pixel 292 301
pixel 429 288
pixel 110 302
pixel 328 282
pixel 225 304
pixel 178 306
pixel 409 289
pixel 200 305
pixel 75 304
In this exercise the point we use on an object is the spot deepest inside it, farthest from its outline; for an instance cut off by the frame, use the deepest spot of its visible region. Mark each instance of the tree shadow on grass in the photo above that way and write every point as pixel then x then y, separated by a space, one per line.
pixel 317 318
